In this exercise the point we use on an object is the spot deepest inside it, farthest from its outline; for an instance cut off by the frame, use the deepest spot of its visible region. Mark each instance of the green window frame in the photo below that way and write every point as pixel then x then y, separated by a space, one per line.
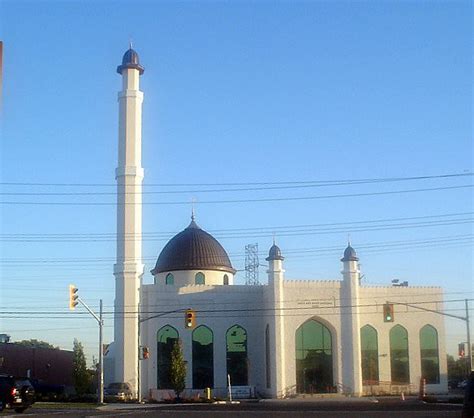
pixel 314 358
pixel 369 355
pixel 169 279
pixel 203 357
pixel 429 354
pixel 399 356
pixel 166 337
pixel 237 360
pixel 199 278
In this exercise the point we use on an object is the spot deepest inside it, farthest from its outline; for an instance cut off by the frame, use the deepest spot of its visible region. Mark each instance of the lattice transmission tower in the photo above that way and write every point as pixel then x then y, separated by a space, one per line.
pixel 251 264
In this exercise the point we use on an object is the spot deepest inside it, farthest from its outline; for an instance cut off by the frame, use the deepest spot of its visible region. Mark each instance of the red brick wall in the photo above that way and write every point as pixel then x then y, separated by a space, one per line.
pixel 52 366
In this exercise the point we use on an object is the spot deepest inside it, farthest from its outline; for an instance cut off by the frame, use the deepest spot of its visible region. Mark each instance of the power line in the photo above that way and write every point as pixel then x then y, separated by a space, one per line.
pixel 297 182
pixel 261 200
pixel 280 186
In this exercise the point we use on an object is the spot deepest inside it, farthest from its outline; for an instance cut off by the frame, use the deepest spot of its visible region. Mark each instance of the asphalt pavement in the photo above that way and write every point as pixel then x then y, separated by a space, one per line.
pixel 299 408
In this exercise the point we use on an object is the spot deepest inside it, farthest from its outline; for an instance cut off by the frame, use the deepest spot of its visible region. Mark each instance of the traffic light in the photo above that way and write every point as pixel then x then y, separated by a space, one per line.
pixel 388 312
pixel 189 319
pixel 73 296
pixel 461 350
pixel 145 353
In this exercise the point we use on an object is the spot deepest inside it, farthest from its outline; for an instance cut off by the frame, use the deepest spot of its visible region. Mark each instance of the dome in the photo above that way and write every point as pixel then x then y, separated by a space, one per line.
pixel 193 249
pixel 130 60
pixel 274 253
pixel 350 254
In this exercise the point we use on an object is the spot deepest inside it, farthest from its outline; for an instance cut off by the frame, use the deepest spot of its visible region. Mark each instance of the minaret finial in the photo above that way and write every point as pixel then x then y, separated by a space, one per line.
pixel 193 217
pixel 274 240
pixel 349 239
pixel 130 43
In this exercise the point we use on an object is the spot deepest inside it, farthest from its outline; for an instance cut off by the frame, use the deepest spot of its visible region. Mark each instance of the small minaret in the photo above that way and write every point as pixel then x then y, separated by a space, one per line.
pixel 128 269
pixel 350 339
pixel 276 322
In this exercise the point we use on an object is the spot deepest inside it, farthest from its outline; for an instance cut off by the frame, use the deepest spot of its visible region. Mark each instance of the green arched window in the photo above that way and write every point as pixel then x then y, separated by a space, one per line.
pixel 199 278
pixel 237 362
pixel 203 358
pixel 166 338
pixel 369 354
pixel 399 359
pixel 429 354
pixel 314 368
pixel 169 279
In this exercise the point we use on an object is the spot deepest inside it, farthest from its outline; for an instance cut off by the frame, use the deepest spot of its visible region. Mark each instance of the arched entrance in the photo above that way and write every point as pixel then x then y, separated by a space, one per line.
pixel 314 364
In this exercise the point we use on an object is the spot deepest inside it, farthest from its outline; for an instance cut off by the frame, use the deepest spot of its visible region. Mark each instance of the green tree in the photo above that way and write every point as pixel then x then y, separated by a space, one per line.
pixel 79 369
pixel 177 369
pixel 33 343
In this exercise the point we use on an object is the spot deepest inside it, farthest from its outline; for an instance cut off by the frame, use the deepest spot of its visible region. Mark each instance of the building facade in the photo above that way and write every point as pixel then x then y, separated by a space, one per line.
pixel 280 339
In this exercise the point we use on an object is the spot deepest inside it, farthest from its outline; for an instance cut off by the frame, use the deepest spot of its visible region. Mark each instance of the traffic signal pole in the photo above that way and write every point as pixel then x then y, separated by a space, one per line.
pixel 98 318
pixel 469 348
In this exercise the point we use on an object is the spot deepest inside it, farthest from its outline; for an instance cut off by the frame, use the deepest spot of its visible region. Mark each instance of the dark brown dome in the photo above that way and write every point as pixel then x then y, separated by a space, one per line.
pixel 193 249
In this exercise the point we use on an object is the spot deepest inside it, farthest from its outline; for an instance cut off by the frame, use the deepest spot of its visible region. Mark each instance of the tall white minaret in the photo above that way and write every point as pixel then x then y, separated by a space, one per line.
pixel 128 270
pixel 350 321
pixel 276 380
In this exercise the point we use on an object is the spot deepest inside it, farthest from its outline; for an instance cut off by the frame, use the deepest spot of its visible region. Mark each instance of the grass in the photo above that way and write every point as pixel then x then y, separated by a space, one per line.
pixel 64 405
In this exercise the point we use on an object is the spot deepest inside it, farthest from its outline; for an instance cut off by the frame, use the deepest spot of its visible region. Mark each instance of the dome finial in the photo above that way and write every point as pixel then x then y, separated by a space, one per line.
pixel 349 239
pixel 193 201
pixel 130 43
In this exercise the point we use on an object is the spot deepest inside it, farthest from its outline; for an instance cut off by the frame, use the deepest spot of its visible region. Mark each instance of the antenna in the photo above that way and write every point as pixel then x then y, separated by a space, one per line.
pixel 251 264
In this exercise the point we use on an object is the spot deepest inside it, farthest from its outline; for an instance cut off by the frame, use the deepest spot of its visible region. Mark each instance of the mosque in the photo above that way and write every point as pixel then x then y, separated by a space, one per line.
pixel 280 339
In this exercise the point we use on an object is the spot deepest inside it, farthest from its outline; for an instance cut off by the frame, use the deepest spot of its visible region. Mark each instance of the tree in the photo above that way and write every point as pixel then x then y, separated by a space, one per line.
pixel 177 369
pixel 33 343
pixel 79 369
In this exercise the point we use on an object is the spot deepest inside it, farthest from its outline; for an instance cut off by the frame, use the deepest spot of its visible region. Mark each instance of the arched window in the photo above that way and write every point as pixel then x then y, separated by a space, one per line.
pixel 203 358
pixel 267 357
pixel 399 360
pixel 429 354
pixel 226 279
pixel 199 278
pixel 313 358
pixel 237 362
pixel 166 338
pixel 369 354
pixel 169 279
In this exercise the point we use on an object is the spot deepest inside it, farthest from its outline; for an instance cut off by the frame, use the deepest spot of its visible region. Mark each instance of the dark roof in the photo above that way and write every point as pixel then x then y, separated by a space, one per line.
pixel 193 249
pixel 274 253
pixel 349 254
pixel 130 60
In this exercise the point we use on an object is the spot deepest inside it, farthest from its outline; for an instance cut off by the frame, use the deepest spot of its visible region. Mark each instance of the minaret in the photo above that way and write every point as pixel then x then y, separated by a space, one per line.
pixel 350 338
pixel 276 324
pixel 129 175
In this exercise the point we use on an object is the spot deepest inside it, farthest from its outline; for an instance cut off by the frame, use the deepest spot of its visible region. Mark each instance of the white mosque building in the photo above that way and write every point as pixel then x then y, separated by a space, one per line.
pixel 283 338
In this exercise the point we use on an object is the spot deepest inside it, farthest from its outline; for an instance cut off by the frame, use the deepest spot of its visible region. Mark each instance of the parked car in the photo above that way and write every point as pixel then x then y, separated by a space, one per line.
pixel 468 406
pixel 118 392
pixel 16 393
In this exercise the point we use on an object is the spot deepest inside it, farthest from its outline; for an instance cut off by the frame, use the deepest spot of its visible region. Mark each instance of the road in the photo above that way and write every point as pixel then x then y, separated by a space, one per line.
pixel 294 409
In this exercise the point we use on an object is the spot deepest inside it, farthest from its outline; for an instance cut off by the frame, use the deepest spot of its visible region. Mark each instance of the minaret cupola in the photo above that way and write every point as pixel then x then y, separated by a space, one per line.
pixel 274 253
pixel 349 254
pixel 130 60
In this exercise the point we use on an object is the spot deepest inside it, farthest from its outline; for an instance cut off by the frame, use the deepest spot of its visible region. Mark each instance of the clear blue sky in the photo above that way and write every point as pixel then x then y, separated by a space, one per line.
pixel 235 92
